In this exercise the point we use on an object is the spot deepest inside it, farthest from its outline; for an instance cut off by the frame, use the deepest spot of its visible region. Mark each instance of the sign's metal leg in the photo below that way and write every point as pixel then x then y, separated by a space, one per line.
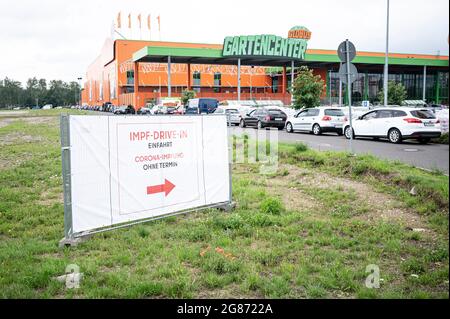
pixel 68 239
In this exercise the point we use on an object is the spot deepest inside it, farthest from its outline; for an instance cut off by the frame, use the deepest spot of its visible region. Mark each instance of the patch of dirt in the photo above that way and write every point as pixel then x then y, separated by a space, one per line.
pixel 230 291
pixel 48 197
pixel 15 137
pixel 49 120
pixel 381 206
pixel 6 121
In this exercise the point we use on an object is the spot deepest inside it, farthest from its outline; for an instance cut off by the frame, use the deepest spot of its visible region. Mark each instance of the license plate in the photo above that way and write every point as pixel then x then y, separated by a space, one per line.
pixel 278 119
pixel 428 124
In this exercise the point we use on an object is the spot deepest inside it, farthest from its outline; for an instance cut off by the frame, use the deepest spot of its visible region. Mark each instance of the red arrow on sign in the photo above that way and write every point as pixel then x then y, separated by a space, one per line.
pixel 163 188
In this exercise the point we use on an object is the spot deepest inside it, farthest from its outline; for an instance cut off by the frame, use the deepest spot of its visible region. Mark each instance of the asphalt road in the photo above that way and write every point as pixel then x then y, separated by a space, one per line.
pixel 429 156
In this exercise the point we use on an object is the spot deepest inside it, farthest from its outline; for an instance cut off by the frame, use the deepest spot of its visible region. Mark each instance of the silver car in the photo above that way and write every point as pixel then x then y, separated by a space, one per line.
pixel 233 115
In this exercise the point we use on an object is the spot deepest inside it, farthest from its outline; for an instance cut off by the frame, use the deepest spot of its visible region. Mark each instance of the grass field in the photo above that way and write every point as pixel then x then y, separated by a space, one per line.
pixel 308 231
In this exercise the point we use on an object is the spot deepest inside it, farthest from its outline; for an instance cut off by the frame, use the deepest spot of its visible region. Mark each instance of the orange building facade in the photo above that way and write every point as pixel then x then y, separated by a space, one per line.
pixel 110 78
pixel 116 77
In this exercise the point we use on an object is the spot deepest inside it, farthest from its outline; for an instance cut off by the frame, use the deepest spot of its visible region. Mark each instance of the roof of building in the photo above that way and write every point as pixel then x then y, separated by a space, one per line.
pixel 212 54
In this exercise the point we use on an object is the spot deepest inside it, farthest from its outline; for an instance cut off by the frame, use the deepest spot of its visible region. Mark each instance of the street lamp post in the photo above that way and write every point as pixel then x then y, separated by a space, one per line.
pixel 385 80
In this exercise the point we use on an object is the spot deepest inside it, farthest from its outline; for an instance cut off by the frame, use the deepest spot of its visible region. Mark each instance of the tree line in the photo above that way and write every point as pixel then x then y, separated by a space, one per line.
pixel 37 92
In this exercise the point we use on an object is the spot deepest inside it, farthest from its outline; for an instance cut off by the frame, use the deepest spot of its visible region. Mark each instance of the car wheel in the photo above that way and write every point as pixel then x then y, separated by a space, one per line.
pixel 260 126
pixel 348 132
pixel 316 129
pixel 242 123
pixel 394 136
pixel 424 140
pixel 289 127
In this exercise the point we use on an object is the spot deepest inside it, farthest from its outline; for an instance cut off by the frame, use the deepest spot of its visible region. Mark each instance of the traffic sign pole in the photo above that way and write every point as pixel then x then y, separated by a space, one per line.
pixel 349 94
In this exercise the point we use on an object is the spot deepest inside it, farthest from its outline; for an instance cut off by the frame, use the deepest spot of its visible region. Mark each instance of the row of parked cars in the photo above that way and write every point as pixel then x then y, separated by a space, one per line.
pixel 394 123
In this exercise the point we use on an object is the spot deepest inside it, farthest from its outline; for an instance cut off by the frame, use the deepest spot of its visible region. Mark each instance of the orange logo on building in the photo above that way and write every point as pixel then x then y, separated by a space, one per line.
pixel 299 33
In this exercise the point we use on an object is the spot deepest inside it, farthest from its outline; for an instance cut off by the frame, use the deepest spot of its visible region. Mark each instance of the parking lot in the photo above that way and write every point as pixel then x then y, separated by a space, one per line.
pixel 429 156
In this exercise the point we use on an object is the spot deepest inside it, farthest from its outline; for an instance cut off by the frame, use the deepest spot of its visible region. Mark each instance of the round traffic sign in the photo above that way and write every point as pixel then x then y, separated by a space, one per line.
pixel 342 52
pixel 343 73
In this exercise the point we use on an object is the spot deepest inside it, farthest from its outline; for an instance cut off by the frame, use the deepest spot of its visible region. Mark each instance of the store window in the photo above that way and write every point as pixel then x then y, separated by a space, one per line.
pixel 130 77
pixel 217 82
pixel 275 84
pixel 197 80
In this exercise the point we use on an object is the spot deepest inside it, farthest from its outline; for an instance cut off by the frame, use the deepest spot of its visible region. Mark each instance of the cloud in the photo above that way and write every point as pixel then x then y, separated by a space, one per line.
pixel 59 39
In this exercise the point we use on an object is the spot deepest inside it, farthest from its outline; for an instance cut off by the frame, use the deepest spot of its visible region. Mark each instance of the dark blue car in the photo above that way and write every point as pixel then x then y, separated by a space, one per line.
pixel 201 106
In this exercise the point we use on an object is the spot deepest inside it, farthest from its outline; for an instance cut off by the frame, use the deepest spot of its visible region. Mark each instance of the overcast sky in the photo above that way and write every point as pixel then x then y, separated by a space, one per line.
pixel 56 39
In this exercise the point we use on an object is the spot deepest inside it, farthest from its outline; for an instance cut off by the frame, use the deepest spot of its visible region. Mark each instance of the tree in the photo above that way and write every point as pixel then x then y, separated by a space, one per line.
pixel 307 89
pixel 31 92
pixel 186 95
pixel 396 93
pixel 11 93
pixel 59 93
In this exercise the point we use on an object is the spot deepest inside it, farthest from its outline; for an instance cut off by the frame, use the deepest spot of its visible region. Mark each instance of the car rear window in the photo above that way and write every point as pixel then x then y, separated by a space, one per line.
pixel 423 114
pixel 274 111
pixel 398 113
pixel 334 112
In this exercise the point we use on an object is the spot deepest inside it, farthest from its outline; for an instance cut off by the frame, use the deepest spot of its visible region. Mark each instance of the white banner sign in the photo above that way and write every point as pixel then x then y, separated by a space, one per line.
pixel 127 168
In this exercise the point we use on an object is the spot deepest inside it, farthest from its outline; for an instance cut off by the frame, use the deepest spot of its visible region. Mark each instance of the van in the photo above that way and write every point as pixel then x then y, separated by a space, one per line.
pixel 202 106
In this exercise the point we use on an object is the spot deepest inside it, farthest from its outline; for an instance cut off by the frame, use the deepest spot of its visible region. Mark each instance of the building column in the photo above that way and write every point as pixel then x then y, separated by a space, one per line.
pixel 136 84
pixel 328 86
pixel 292 81
pixel 169 82
pixel 366 86
pixel 189 76
pixel 283 90
pixel 239 79
pixel 438 87
pixel 424 89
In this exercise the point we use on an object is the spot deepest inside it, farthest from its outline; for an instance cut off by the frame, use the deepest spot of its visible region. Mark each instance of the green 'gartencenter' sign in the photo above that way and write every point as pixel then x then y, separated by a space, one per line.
pixel 265 45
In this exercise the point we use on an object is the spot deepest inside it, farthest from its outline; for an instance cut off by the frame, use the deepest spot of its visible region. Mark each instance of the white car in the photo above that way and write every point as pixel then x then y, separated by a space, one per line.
pixel 317 120
pixel 396 124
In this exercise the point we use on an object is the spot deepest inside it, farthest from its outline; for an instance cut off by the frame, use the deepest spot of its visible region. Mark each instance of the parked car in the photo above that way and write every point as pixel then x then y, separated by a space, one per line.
pixel 170 110
pixel 396 124
pixel 47 106
pixel 201 106
pixel 105 107
pixel 262 117
pixel 181 109
pixel 120 110
pixel 233 115
pixel 317 120
pixel 144 110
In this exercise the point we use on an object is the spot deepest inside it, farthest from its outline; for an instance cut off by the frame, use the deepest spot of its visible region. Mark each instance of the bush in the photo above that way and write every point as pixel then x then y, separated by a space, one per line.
pixel 396 93
pixel 233 221
pixel 301 147
pixel 444 138
pixel 272 206
pixel 307 88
